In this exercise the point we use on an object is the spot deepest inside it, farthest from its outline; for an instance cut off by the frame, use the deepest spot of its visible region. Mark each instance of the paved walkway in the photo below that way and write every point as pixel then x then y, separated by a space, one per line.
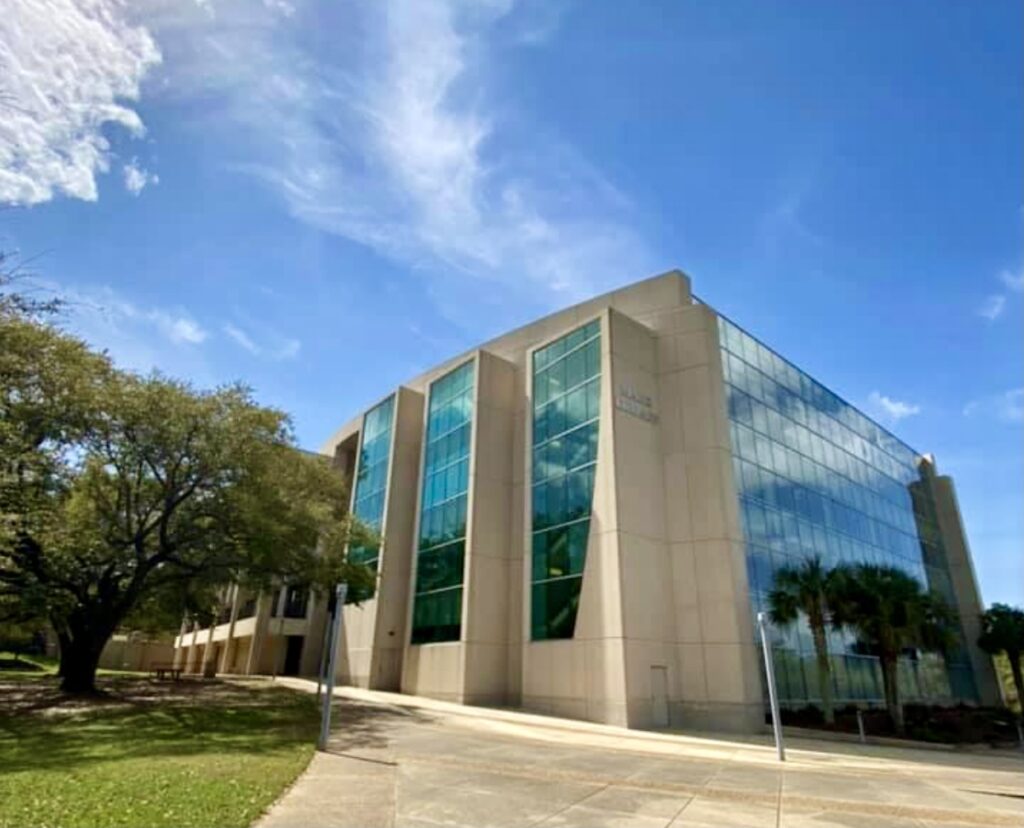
pixel 404 762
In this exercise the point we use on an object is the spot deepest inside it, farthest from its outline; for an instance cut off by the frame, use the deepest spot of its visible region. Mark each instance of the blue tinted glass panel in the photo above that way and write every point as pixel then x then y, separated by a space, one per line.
pixel 371 481
pixel 440 558
pixel 815 476
pixel 566 399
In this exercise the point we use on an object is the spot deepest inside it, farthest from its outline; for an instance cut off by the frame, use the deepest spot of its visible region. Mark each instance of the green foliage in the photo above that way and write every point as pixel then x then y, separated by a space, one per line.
pixel 125 497
pixel 21 303
pixel 809 589
pixel 1002 633
pixel 1002 630
pixel 890 613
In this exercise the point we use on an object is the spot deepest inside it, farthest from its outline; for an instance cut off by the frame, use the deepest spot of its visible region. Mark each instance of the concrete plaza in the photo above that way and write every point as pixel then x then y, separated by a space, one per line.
pixel 396 760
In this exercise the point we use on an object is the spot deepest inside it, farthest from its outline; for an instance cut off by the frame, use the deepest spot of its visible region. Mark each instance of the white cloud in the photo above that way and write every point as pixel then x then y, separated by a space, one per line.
pixel 69 70
pixel 175 325
pixel 242 338
pixel 993 306
pixel 139 337
pixel 886 408
pixel 280 6
pixel 136 178
pixel 394 137
pixel 1007 406
pixel 1013 281
pixel 288 348
pixel 278 347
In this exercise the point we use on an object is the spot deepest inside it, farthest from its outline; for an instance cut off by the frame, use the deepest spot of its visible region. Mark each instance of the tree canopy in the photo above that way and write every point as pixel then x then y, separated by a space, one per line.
pixel 891 612
pixel 124 494
pixel 809 588
pixel 1002 631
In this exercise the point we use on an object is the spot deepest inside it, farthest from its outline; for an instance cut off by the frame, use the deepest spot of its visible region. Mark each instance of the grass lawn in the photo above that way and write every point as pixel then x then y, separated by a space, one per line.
pixel 148 753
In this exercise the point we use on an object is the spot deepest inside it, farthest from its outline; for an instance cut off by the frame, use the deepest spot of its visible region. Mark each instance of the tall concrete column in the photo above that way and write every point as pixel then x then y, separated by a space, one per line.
pixel 486 586
pixel 964 583
pixel 315 626
pixel 193 649
pixel 259 635
pixel 208 667
pixel 180 649
pixel 392 602
pixel 230 645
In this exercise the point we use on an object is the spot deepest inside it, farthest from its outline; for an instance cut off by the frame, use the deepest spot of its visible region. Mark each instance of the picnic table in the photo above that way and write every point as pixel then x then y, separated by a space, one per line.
pixel 163 671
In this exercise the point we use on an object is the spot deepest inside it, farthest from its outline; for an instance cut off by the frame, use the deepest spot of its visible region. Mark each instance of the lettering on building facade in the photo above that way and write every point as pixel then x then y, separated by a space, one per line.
pixel 628 399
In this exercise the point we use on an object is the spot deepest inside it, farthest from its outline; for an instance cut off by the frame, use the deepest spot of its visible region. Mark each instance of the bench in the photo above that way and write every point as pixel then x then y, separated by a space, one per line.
pixel 163 671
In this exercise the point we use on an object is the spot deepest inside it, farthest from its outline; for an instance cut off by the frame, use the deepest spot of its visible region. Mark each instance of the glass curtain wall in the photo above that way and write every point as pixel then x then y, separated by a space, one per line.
pixel 372 482
pixel 566 405
pixel 817 477
pixel 440 557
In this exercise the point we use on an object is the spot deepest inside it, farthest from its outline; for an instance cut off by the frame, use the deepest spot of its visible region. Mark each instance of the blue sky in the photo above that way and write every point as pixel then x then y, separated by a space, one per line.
pixel 259 189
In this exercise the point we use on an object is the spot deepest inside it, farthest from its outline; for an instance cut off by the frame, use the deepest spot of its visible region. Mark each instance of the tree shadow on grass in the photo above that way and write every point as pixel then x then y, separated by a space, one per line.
pixel 42 729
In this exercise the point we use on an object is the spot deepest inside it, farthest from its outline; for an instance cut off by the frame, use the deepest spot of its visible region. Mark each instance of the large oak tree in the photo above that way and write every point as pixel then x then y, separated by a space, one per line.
pixel 122 494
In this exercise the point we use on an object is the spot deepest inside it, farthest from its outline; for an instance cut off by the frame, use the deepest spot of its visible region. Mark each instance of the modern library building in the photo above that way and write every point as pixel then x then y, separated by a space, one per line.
pixel 583 517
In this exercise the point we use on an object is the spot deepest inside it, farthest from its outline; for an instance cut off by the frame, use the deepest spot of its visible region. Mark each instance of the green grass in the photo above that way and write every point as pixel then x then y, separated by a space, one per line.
pixel 152 754
pixel 27 664
pixel 34 666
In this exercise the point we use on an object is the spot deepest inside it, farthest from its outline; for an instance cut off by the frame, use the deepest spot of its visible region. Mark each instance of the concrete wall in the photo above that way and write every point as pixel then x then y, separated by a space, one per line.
pixel 128 652
pixel 582 677
pixel 965 586
pixel 488 551
pixel 663 505
pixel 399 540
pixel 664 632
pixel 475 668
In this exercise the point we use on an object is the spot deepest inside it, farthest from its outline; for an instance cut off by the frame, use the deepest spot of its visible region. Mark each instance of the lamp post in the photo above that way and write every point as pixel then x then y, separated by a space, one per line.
pixel 773 699
pixel 332 643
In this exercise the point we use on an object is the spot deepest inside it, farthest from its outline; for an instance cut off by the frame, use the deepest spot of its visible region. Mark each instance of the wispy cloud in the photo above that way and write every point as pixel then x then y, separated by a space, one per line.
pixel 69 70
pixel 1013 281
pixel 277 347
pixel 784 226
pixel 139 336
pixel 178 329
pixel 136 179
pixel 106 306
pixel 1007 406
pixel 993 306
pixel 890 410
pixel 393 136
pixel 241 338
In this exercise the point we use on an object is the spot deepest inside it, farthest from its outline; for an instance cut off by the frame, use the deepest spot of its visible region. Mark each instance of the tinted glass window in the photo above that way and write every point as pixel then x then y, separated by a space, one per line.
pixel 437 604
pixel 566 398
pixel 817 477
pixel 371 481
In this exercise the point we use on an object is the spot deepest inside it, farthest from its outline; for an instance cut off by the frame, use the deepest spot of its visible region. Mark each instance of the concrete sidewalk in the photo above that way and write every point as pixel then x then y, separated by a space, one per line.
pixel 409 762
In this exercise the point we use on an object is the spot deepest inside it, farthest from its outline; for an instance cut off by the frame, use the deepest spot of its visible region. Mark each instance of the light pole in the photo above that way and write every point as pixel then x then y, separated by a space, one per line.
pixel 773 699
pixel 332 643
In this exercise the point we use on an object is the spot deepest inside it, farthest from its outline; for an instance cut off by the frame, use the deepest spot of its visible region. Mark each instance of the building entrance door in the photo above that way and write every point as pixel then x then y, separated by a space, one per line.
pixel 292 656
pixel 659 696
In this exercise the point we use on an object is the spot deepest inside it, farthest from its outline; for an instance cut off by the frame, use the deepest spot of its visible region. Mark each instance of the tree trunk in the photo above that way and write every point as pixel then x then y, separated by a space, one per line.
pixel 1018 679
pixel 892 692
pixel 79 658
pixel 824 674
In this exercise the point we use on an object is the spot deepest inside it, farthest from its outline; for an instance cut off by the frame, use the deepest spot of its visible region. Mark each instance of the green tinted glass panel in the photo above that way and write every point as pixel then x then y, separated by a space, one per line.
pixel 440 558
pixel 818 477
pixel 553 606
pixel 566 399
pixel 371 481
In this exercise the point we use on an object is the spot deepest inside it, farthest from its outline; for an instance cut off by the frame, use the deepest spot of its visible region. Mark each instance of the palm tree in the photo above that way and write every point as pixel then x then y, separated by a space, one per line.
pixel 1002 631
pixel 808 589
pixel 891 612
